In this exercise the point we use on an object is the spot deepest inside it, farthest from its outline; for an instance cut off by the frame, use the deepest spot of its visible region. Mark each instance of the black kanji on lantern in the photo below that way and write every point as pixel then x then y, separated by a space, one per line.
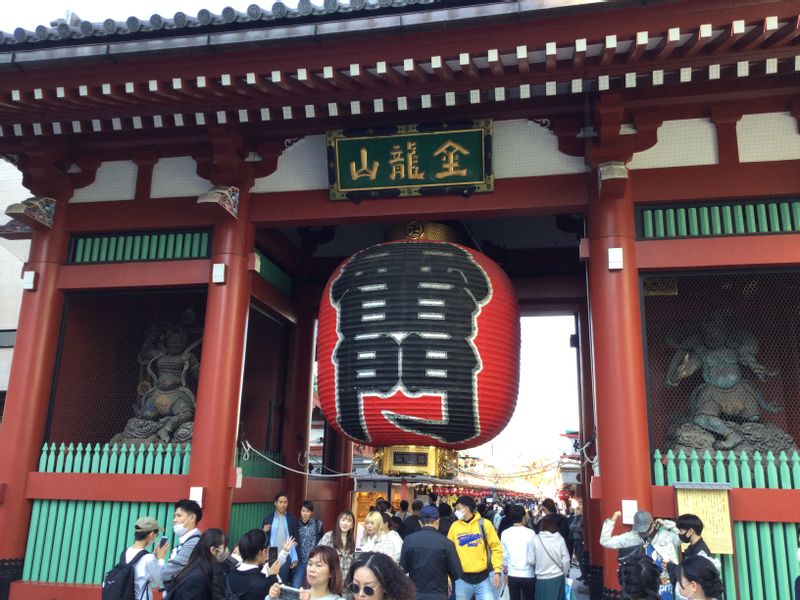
pixel 406 321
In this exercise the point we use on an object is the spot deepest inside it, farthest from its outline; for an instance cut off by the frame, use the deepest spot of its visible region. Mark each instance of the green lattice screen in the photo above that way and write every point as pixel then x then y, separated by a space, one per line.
pixel 139 246
pixel 707 220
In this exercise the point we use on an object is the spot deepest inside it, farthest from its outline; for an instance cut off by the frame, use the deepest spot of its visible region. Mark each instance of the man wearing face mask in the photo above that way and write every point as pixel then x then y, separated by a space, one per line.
pixel 146 565
pixel 479 550
pixel 657 538
pixel 184 524
pixel 690 530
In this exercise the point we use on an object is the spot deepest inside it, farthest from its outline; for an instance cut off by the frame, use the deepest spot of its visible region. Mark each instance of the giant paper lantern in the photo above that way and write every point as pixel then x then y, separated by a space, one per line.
pixel 418 343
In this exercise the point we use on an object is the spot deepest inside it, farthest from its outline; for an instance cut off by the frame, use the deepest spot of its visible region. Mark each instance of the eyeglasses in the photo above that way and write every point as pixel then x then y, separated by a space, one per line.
pixel 367 590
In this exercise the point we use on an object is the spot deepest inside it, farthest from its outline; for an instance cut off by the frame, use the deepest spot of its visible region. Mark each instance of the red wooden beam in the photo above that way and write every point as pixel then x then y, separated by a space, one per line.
pixel 35 590
pixel 107 487
pixel 785 35
pixel 706 253
pixel 758 35
pixel 519 196
pixel 169 273
pixel 273 298
pixel 747 504
pixel 699 40
pixel 100 217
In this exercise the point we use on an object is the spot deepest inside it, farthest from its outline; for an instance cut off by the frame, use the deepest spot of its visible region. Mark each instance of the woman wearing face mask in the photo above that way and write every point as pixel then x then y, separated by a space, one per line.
pixel 342 539
pixel 323 574
pixel 375 576
pixel 378 538
pixel 248 581
pixel 203 577
pixel 698 579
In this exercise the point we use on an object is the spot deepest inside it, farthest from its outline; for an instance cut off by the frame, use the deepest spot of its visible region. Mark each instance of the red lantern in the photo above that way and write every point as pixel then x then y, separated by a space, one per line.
pixel 418 343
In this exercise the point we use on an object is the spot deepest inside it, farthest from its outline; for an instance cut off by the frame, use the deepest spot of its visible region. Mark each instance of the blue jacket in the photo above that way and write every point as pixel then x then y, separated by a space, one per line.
pixel 292 525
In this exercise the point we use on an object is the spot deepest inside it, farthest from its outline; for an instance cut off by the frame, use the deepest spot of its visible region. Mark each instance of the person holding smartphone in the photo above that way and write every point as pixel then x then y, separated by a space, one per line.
pixel 147 567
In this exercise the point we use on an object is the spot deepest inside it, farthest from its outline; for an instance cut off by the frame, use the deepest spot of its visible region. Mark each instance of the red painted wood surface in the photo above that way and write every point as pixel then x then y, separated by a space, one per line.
pixel 258 489
pixel 169 273
pixel 107 487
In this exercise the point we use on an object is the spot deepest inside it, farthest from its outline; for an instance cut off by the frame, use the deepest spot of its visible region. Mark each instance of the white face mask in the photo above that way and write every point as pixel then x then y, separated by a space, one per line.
pixel 681 593
pixel 459 514
pixel 179 529
pixel 222 555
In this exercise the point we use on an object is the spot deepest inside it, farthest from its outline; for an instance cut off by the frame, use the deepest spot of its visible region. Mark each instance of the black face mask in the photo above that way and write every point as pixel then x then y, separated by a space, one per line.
pixel 684 537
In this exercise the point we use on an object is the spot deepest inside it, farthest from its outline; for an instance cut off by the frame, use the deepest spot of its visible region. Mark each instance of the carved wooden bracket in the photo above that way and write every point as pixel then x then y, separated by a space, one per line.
pixel 45 170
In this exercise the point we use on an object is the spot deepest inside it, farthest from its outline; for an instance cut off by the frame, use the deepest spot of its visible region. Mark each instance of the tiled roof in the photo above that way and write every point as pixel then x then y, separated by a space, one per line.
pixel 81 31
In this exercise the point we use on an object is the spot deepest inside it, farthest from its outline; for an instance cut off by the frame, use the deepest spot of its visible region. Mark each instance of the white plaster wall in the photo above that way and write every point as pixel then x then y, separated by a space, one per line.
pixel 177 178
pixel 523 148
pixel 681 143
pixel 115 180
pixel 13 253
pixel 302 166
pixel 768 137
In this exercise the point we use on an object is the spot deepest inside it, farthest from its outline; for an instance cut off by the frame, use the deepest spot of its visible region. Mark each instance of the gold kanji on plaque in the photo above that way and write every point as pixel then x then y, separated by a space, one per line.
pixel 364 170
pixel 405 166
pixel 451 153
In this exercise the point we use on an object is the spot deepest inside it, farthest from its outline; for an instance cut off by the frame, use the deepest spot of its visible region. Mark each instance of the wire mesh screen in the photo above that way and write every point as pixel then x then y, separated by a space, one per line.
pixel 127 367
pixel 723 361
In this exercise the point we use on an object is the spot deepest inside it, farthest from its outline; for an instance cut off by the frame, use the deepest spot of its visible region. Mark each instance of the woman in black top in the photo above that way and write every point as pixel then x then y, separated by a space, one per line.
pixel 203 577
pixel 247 581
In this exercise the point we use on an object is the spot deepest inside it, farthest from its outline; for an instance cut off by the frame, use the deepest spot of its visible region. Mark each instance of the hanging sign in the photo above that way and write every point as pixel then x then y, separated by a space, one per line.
pixel 418 343
pixel 411 161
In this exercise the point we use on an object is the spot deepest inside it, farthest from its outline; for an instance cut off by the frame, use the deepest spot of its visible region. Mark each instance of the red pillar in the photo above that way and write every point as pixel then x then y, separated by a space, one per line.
pixel 297 410
pixel 30 382
pixel 617 352
pixel 219 386
pixel 344 464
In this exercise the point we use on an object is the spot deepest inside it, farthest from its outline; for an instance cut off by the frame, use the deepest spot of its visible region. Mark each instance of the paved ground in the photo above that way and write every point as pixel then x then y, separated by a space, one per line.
pixel 581 591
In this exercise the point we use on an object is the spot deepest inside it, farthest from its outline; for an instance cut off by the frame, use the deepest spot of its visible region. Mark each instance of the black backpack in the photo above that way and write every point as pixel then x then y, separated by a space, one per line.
pixel 118 582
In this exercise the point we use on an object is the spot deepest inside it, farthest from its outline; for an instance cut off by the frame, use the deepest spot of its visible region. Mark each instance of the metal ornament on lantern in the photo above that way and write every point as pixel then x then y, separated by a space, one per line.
pixel 418 345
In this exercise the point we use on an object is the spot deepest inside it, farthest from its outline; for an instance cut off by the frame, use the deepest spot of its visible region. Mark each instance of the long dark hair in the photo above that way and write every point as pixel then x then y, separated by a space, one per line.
pixel 704 573
pixel 638 577
pixel 201 557
pixel 396 584
pixel 336 536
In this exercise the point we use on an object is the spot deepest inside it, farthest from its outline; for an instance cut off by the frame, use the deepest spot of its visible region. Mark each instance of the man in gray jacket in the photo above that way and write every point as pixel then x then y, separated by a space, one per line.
pixel 187 515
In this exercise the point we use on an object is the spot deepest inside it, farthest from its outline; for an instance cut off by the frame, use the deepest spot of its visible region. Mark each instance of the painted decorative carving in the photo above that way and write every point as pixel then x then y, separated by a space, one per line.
pixel 169 368
pixel 15 230
pixel 226 197
pixel 726 407
pixel 35 212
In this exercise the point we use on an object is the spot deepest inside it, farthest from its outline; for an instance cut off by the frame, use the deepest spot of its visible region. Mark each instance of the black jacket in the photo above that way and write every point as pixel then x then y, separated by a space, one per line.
pixel 197 585
pixel 429 558
pixel 411 525
pixel 251 584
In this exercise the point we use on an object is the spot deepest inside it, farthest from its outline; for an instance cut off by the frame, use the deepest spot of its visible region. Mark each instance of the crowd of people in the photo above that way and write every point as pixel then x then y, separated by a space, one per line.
pixel 430 552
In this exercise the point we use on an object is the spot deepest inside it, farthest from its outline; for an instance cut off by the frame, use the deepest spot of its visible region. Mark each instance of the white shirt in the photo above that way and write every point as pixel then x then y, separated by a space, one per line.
pixel 147 573
pixel 545 566
pixel 516 540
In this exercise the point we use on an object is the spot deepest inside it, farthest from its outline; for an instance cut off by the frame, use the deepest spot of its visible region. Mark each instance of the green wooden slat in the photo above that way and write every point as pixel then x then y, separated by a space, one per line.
pixel 778 538
pixel 786 217
pixel 179 246
pixel 680 218
pixel 95 249
pixel 796 215
pixel 31 547
pixel 738 219
pixel 103 254
pixel 204 243
pixel 87 251
pixel 750 218
pixel 716 220
pixel 145 252
pixel 187 454
pixel 705 222
pixel 170 248
pixel 195 251
pixel 659 222
pixel 112 249
pixel 669 220
pixel 764 534
pixel 84 512
pixel 739 535
pixel 708 468
pixel 42 534
pixel 153 247
pixel 694 221
pixel 120 254
pixel 727 220
pixel 137 247
pixel 128 251
pixel 774 217
pixel 752 539
pixel 77 255
pixel 761 216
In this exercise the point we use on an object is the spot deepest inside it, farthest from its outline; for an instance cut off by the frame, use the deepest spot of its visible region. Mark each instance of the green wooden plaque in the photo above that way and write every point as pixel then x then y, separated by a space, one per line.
pixel 411 160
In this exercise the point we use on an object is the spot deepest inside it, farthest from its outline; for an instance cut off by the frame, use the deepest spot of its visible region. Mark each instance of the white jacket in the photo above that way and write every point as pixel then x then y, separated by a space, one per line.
pixel 389 543
pixel 543 552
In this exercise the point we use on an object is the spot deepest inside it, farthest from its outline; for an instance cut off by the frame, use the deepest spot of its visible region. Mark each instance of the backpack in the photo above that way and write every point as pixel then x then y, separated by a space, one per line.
pixel 118 582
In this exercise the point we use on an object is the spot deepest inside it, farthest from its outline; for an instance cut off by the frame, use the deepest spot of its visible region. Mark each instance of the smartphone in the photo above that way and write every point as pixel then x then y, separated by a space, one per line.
pixel 289 593
pixel 272 555
pixel 164 539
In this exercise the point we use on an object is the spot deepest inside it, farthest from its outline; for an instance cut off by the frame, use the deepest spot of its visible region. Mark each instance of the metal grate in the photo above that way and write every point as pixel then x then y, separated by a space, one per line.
pixel 139 246
pixel 723 361
pixel 114 348
pixel 723 219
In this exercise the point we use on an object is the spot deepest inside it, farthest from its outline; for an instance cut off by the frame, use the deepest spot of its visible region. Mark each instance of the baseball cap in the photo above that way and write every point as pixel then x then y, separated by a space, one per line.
pixel 146 524
pixel 429 512
pixel 642 521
